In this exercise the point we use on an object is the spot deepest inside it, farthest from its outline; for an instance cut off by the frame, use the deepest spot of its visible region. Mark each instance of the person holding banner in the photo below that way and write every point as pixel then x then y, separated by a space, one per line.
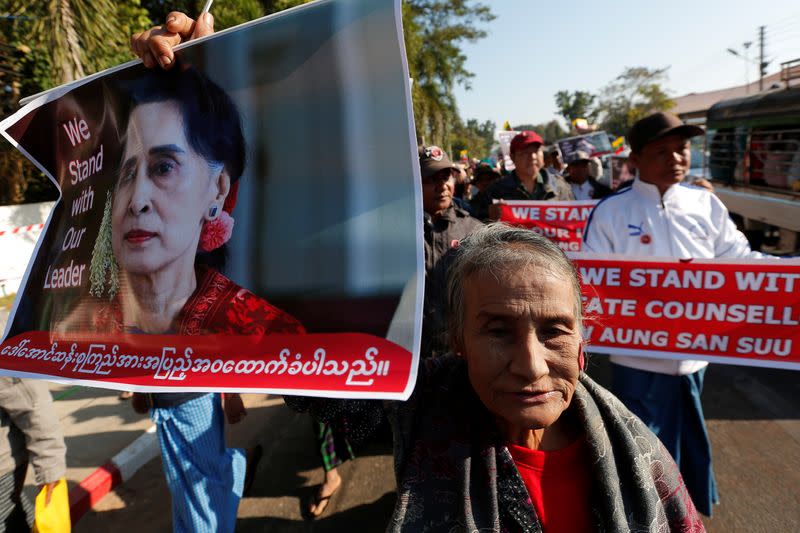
pixel 333 443
pixel 507 433
pixel 584 186
pixel 658 216
pixel 529 180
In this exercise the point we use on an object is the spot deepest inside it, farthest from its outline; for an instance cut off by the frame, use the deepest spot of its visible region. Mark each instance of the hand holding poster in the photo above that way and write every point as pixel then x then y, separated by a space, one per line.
pixel 562 222
pixel 745 312
pixel 221 225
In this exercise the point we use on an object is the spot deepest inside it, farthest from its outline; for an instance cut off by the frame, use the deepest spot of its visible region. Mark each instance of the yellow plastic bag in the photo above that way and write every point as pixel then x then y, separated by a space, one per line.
pixel 53 518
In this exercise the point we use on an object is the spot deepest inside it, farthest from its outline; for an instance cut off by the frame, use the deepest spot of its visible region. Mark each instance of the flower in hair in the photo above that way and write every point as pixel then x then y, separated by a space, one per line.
pixel 216 232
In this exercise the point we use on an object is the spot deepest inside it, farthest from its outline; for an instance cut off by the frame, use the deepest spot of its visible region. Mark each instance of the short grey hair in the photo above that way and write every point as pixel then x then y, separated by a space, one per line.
pixel 499 247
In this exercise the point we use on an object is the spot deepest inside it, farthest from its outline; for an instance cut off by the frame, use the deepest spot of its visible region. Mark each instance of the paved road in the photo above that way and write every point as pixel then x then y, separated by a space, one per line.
pixel 753 420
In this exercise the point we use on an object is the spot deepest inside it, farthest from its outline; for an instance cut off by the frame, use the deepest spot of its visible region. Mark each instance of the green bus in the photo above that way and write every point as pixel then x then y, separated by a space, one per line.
pixel 753 160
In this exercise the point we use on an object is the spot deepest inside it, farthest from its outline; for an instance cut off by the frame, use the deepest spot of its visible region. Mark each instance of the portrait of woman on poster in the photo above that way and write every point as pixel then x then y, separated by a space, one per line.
pixel 154 270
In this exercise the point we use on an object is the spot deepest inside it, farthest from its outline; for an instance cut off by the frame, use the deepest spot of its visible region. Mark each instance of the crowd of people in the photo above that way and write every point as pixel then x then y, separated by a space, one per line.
pixel 505 430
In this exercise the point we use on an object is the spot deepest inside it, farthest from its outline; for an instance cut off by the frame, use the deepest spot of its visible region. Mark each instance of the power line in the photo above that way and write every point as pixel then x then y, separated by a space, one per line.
pixel 793 31
pixel 785 21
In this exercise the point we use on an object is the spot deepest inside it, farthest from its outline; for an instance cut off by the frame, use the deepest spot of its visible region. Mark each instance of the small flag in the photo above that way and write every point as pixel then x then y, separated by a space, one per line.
pixel 580 124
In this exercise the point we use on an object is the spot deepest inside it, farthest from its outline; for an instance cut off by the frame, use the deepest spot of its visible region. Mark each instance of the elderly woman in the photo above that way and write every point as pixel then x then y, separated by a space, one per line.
pixel 154 271
pixel 507 433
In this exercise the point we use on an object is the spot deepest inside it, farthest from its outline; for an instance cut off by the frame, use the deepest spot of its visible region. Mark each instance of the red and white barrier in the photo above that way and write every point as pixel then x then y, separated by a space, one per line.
pixel 21 229
pixel 106 478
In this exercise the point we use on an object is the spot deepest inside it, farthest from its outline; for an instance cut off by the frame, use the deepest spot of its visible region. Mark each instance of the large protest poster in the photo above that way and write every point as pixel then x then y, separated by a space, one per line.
pixel 620 171
pixel 562 222
pixel 743 313
pixel 595 144
pixel 504 138
pixel 246 221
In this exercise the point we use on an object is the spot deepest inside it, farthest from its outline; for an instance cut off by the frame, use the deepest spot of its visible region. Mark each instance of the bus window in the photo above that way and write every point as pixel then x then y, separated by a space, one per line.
pixel 723 155
pixel 772 153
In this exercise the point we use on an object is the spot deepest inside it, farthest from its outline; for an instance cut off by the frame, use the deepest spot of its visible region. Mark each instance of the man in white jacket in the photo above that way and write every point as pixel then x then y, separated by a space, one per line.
pixel 657 216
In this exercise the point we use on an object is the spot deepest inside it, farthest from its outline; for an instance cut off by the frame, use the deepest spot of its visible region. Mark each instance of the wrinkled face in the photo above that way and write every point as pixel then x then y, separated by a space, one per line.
pixel 664 162
pixel 521 343
pixel 529 160
pixel 437 191
pixel 164 191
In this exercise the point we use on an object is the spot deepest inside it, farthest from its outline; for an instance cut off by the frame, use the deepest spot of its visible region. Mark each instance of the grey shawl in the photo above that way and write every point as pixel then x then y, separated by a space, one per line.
pixel 454 472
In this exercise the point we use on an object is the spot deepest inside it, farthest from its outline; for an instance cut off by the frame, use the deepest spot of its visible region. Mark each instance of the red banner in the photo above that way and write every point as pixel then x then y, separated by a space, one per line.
pixel 561 222
pixel 348 365
pixel 744 313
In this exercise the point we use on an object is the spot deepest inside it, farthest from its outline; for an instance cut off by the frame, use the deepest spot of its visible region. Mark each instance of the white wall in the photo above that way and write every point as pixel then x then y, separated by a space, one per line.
pixel 16 248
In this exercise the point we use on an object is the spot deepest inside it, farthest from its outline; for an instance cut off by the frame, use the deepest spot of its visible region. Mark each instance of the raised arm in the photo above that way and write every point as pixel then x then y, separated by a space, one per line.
pixel 154 46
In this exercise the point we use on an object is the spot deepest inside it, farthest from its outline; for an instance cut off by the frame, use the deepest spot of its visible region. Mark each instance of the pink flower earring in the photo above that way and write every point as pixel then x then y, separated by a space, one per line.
pixel 217 229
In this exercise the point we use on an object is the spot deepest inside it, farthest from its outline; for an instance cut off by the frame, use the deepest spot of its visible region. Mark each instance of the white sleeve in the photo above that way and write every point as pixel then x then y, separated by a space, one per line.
pixel 596 238
pixel 730 242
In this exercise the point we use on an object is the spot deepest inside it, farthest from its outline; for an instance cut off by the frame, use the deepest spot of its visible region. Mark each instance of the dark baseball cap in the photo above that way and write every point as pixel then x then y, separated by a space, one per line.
pixel 657 126
pixel 523 139
pixel 577 156
pixel 432 159
pixel 484 170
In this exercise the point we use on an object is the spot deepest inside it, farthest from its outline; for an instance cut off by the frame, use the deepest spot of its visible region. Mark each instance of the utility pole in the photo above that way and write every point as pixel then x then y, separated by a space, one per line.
pixel 746 56
pixel 762 65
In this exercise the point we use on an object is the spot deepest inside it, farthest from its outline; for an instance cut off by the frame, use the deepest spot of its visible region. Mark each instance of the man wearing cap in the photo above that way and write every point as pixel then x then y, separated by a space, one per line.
pixel 579 176
pixel 444 226
pixel 528 181
pixel 482 178
pixel 658 216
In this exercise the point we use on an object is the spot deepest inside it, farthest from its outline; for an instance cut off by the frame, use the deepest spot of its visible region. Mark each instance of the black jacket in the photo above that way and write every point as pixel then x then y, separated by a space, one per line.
pixel 509 187
pixel 442 235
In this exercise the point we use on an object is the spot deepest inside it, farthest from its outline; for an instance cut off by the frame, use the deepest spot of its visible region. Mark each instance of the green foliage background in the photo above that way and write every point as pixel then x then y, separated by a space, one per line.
pixel 634 94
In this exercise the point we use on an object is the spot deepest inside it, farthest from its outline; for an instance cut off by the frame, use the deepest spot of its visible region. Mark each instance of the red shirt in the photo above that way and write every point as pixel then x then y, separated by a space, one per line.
pixel 559 483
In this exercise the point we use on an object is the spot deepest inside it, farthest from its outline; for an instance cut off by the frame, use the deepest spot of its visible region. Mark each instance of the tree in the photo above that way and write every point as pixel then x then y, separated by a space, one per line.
pixel 477 138
pixel 49 43
pixel 550 131
pixel 576 104
pixel 434 31
pixel 70 39
pixel 273 6
pixel 632 95
pixel 226 14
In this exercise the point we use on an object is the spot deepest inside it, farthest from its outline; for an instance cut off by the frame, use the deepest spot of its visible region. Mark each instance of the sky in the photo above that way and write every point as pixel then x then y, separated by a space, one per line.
pixel 534 49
